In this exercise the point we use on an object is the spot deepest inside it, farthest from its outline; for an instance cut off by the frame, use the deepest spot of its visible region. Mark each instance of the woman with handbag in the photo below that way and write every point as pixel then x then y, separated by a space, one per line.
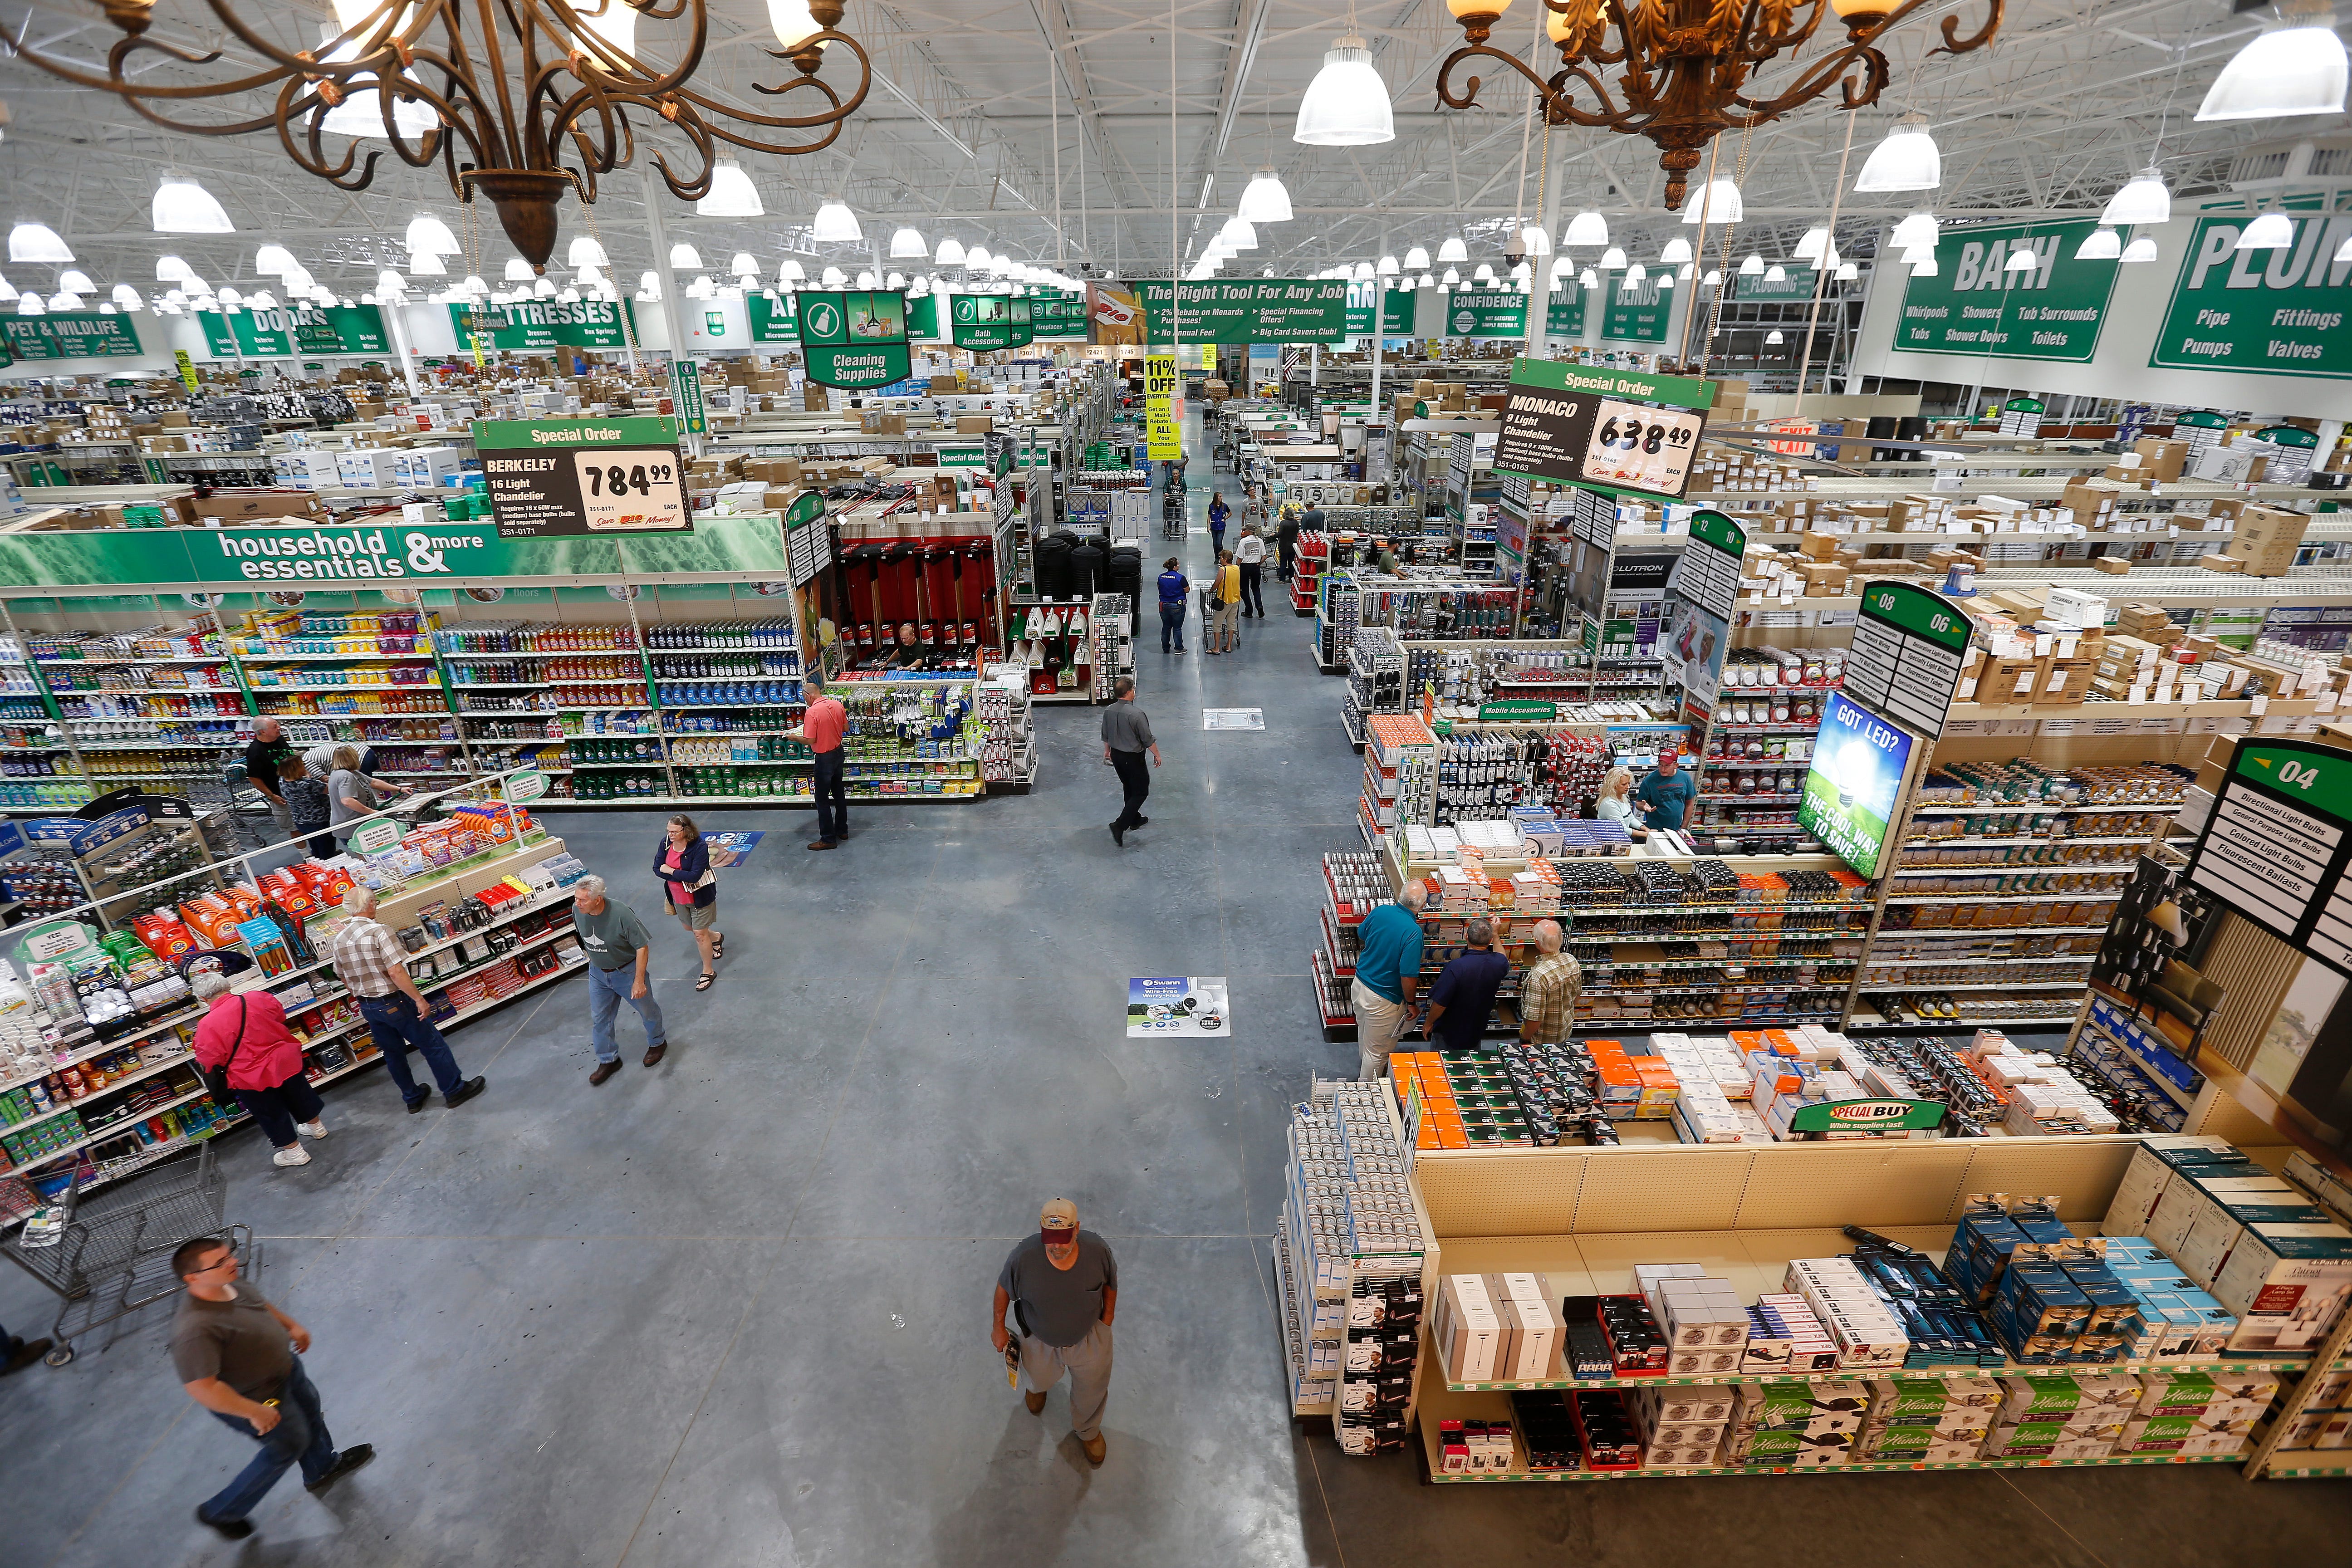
pixel 682 861
pixel 1226 604
pixel 242 1047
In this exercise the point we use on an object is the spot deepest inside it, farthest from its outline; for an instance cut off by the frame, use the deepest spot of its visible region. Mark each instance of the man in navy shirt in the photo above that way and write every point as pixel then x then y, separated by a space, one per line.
pixel 1464 998
pixel 1667 793
pixel 1174 589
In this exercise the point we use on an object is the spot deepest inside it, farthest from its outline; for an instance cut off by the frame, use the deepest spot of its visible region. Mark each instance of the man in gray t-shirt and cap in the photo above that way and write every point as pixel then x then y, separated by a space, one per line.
pixel 1126 736
pixel 1062 1287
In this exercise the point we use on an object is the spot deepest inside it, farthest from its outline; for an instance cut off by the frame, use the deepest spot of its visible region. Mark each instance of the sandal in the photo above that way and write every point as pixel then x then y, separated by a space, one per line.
pixel 702 983
pixel 718 948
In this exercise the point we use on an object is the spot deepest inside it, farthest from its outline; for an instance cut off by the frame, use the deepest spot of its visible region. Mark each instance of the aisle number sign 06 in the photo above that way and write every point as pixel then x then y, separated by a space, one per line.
pixel 1850 789
pixel 1164 409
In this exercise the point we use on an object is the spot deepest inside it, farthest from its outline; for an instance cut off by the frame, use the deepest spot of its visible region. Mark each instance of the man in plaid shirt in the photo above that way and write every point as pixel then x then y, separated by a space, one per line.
pixel 1549 989
pixel 371 962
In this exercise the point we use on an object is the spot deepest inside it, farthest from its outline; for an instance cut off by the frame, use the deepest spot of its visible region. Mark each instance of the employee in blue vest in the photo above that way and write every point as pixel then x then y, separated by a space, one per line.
pixel 1388 978
pixel 1174 590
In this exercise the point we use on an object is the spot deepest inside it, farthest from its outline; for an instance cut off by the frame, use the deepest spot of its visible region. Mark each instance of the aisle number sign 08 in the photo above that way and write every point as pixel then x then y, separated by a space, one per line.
pixel 1163 409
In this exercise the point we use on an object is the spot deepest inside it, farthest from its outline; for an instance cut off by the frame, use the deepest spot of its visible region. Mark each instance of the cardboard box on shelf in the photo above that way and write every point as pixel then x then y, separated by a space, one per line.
pixel 974 424
pixel 2116 565
pixel 247 505
pixel 2226 564
pixel 2161 459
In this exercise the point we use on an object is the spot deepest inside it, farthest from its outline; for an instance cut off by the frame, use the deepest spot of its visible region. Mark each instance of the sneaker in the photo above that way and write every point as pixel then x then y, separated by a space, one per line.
pixel 1118 835
pixel 229 1528
pixel 350 1460
pixel 463 1092
pixel 292 1154
pixel 605 1070
pixel 311 1129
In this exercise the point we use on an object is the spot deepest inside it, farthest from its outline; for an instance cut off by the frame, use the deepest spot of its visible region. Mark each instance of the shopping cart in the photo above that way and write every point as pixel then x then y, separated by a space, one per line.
pixel 114 1253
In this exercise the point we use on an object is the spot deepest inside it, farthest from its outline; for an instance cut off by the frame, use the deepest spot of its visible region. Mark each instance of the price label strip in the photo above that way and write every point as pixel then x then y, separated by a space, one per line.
pixel 630 490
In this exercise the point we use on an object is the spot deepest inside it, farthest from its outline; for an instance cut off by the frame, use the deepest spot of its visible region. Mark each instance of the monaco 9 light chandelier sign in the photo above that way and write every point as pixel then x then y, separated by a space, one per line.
pixel 1686 63
pixel 519 101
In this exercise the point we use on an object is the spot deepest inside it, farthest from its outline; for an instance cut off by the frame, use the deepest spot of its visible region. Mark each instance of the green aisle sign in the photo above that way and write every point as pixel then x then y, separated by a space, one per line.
pixel 776 320
pixel 856 339
pixel 1255 311
pixel 253 334
pixel 69 334
pixel 2268 312
pixel 1976 306
pixel 1486 313
pixel 528 325
pixel 1396 310
pixel 1564 317
pixel 1054 313
pixel 1639 314
pixel 1795 288
pixel 985 321
pixel 923 317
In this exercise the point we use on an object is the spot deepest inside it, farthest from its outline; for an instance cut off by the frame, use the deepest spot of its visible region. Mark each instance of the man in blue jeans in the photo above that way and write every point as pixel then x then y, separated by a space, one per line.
pixel 618 950
pixel 1175 589
pixel 371 963
pixel 240 1358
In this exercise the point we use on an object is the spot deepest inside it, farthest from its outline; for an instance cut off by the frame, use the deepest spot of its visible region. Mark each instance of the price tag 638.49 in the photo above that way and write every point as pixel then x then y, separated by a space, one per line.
pixel 622 490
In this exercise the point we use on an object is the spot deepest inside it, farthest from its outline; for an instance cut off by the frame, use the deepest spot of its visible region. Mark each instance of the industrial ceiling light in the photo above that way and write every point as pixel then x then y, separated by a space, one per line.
pixel 2021 260
pixel 8 292
pixel 1922 266
pixel 950 253
pixel 1718 203
pixel 1612 258
pixel 1585 228
pixel 170 269
pixel 390 283
pixel 684 258
pixel 1238 233
pixel 272 260
pixel 1363 272
pixel 1346 104
pixel 1452 277
pixel 2270 231
pixel 2144 199
pixel 2142 249
pixel 1587 280
pixel 1677 250
pixel 1908 160
pixel 1773 336
pixel 1266 199
pixel 1918 230
pixel 1485 274
pixel 585 252
pixel 791 271
pixel 428 235
pixel 1416 259
pixel 518 269
pixel 1386 267
pixel 1426 282
pixel 424 264
pixel 183 207
pixel 264 301
pixel 731 193
pixel 1686 70
pixel 2103 245
pixel 37 242
pixel 744 265
pixel 1809 247
pixel 1453 250
pixel 1714 278
pixel 29 304
pixel 836 224
pixel 65 300
pixel 73 280
pixel 1776 273
pixel 2296 66
pixel 1535 240
pixel 978 260
pixel 834 277
pixel 867 280
pixel 1753 267
pixel 1846 272
pixel 1636 273
pixel 906 244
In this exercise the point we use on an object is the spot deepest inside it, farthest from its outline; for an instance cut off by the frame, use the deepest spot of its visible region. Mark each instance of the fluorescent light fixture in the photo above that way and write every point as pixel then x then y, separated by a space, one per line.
pixel 1718 203
pixel 2270 231
pixel 1346 104
pixel 1416 259
pixel 2103 245
pixel 1905 161
pixel 183 207
pixel 684 258
pixel 1265 200
pixel 2286 69
pixel 2143 200
pixel 428 235
pixel 1585 228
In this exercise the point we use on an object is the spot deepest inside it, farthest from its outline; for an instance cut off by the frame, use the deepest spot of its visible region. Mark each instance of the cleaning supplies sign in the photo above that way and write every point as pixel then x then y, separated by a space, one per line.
pixel 2275 846
pixel 2270 312
pixel 2011 291
pixel 1560 422
pixel 1163 410
pixel 1859 763
pixel 1637 312
pixel 70 334
pixel 528 325
pixel 985 321
pixel 1257 310
pixel 1178 1007
pixel 855 339
pixel 1486 313
pixel 590 476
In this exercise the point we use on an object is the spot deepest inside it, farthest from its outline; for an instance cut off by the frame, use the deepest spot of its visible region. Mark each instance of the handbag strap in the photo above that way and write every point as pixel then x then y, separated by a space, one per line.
pixel 243 1020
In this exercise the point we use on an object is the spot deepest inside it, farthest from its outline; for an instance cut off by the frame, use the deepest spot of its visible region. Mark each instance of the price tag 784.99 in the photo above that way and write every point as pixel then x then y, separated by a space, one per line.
pixel 622 490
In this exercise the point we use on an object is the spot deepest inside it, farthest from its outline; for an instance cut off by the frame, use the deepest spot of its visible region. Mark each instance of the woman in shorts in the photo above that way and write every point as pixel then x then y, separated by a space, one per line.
pixel 683 863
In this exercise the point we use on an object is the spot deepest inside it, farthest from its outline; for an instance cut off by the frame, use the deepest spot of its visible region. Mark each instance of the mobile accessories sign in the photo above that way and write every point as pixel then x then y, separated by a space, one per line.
pixel 1984 300
pixel 2265 312
pixel 855 339
pixel 583 476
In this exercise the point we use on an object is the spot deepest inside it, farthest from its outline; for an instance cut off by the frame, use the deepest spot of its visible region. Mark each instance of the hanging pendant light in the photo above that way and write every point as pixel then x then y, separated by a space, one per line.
pixel 1809 247
pixel 2142 249
pixel 272 261
pixel 2270 231
pixel 1923 265
pixel 1453 250
pixel 732 195
pixel 1612 260
pixel 428 235
pixel 684 258
pixel 1753 267
pixel 65 300
pixel 836 224
pixel 791 271
pixel 1386 267
pixel 906 244
pixel 744 265
pixel 73 280
pixel 2298 68
pixel 1714 278
pixel 834 277
pixel 1346 104
pixel 518 270
pixel 1426 282
pixel 866 280
pixel 1452 277
pixel 8 292
pixel 2021 260
pixel 1485 274
pixel 978 260
pixel 1587 280
pixel 1717 203
pixel 1636 273
pixel 183 207
pixel 950 253
pixel 1846 272
pixel 1585 228
pixel 1776 273
pixel 585 252
pixel 2143 200
pixel 1919 230
pixel 1266 199
pixel 1238 233
pixel 37 242
pixel 1677 250
pixel 1535 240
pixel 1363 273
pixel 424 264
pixel 29 304
pixel 2103 245
pixel 1905 161
pixel 1416 259
pixel 1773 336
pixel 168 269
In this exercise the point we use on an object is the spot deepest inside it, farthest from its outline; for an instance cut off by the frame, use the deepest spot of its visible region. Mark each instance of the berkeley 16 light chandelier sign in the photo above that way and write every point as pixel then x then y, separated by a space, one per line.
pixel 501 95
pixel 1688 62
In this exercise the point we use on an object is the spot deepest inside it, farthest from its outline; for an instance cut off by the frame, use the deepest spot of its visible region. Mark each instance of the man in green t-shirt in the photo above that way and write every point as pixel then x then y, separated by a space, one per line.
pixel 617 947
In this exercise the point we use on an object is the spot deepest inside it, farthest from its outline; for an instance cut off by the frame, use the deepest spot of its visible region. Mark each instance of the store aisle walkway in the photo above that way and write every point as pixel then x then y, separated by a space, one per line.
pixel 733 1310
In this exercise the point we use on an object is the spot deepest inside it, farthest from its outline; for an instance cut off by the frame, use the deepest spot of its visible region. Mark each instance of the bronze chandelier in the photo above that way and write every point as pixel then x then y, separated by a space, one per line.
pixel 1686 62
pixel 513 88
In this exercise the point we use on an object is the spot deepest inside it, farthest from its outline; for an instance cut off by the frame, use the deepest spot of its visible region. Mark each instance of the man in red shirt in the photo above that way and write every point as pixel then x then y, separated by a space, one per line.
pixel 821 728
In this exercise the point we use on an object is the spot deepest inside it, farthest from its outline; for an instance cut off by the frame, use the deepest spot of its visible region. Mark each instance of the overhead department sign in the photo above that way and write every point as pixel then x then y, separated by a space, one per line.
pixel 1976 306
pixel 69 334
pixel 2268 312
pixel 990 321
pixel 1255 311
pixel 1639 314
pixel 1487 314
pixel 529 325
pixel 855 339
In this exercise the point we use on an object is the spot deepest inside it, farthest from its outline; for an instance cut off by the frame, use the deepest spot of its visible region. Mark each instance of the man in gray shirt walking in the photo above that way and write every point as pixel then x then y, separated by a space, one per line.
pixel 618 949
pixel 1126 736
pixel 1062 1287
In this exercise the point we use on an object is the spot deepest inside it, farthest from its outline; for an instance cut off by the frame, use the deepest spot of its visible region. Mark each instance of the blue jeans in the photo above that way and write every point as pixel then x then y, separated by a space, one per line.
pixel 299 1437
pixel 398 1028
pixel 831 797
pixel 1171 624
pixel 607 989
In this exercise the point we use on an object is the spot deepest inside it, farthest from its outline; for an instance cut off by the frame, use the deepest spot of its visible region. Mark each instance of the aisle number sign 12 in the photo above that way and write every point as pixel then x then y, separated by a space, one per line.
pixel 1163 408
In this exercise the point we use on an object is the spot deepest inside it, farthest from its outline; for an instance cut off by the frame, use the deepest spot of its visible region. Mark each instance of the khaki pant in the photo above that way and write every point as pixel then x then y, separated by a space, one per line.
pixel 1226 625
pixel 1088 1364
pixel 1379 1022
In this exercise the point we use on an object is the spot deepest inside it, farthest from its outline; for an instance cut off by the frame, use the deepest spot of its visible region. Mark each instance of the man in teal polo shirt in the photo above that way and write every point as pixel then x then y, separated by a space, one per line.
pixel 1667 793
pixel 1388 973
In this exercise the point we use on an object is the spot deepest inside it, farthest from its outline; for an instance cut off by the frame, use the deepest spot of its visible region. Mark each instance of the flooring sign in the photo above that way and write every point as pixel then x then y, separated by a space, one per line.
pixel 1178 1007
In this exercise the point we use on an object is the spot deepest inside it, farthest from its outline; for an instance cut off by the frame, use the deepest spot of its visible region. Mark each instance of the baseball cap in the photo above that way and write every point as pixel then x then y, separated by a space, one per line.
pixel 1058 1220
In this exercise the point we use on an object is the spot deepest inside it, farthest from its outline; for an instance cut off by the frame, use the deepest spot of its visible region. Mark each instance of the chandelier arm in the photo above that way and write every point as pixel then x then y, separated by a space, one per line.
pixel 115 82
pixel 569 33
pixel 569 112
pixel 698 133
pixel 312 154
pixel 833 116
pixel 445 108
pixel 807 53
pixel 1955 45
pixel 1560 107
pixel 1816 81
pixel 1774 41
pixel 1445 96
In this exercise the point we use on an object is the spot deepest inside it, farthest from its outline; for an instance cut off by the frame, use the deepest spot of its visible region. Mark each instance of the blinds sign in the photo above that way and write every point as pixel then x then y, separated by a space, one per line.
pixel 855 339
pixel 2264 312
pixel 2010 292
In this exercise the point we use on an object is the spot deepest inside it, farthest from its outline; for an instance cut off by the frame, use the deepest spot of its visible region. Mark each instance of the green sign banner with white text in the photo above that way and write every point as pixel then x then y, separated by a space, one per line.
pixel 2268 312
pixel 856 339
pixel 70 334
pixel 1253 311
pixel 1564 317
pixel 1795 287
pixel 984 322
pixel 1977 304
pixel 1638 314
pixel 776 320
pixel 532 324
pixel 1486 313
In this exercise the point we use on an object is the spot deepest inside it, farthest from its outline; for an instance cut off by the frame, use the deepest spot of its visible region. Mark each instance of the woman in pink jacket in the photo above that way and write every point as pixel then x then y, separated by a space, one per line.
pixel 247 1032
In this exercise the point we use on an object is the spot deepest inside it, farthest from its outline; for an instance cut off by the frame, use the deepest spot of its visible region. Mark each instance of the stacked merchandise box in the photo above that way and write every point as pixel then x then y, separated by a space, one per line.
pixel 1927 1420
pixel 2319 1435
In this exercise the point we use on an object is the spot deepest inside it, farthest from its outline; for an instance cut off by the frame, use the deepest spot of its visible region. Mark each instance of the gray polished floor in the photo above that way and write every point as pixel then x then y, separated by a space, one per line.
pixel 733 1310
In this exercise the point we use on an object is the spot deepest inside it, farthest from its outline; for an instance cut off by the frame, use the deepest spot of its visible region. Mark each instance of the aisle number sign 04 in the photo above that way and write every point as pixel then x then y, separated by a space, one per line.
pixel 2268 312
pixel 2276 846
pixel 583 476
pixel 1856 777
pixel 1164 409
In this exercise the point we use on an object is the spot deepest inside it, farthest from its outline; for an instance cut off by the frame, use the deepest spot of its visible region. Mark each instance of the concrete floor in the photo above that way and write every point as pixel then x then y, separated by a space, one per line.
pixel 733 1310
